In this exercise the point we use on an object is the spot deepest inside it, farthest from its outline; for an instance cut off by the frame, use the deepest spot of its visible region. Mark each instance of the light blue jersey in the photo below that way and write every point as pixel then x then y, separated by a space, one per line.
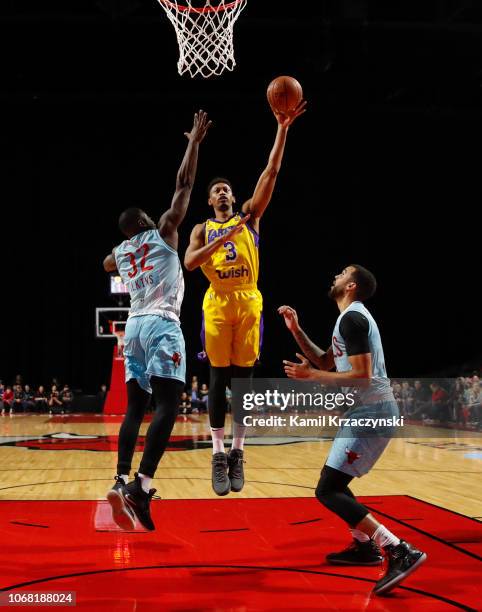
pixel 355 450
pixel 379 389
pixel 152 272
pixel 154 344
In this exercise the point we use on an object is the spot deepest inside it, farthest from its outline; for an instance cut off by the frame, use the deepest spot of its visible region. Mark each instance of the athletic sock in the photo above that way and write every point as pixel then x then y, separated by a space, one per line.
pixel 384 538
pixel 359 535
pixel 125 478
pixel 145 482
pixel 217 435
pixel 239 433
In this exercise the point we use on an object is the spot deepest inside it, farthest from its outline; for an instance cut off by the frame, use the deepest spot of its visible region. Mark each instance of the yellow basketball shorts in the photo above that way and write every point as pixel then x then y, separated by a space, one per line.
pixel 232 328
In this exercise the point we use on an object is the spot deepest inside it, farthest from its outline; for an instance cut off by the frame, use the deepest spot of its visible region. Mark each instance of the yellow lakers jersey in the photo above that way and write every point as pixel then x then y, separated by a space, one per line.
pixel 235 265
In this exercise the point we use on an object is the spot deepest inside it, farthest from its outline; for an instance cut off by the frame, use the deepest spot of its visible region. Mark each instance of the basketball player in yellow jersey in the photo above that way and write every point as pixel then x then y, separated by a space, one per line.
pixel 226 249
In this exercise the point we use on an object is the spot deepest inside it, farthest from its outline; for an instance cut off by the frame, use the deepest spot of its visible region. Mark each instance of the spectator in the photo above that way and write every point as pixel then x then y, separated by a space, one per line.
pixel 2 391
pixel 456 400
pixel 397 394
pixel 7 400
pixel 474 402
pixel 18 380
pixel 185 403
pixel 439 409
pixel 18 397
pixel 28 400
pixel 421 401
pixel 55 404
pixel 66 397
pixel 41 399
pixel 194 390
pixel 203 396
pixel 406 397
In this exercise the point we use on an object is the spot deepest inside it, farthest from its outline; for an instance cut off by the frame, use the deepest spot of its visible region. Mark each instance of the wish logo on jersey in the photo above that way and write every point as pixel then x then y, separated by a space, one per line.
pixel 233 272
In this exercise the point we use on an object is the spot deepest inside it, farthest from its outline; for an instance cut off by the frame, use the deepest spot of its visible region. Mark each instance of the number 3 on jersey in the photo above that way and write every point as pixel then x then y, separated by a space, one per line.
pixel 231 254
pixel 144 251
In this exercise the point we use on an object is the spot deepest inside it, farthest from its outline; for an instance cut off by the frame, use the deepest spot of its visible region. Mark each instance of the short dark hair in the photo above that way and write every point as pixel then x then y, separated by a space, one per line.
pixel 366 283
pixel 218 179
pixel 128 219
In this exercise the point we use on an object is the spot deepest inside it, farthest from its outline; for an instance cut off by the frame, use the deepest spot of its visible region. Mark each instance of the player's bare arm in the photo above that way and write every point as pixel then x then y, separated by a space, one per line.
pixel 173 217
pixel 198 253
pixel 109 262
pixel 261 197
pixel 361 371
pixel 317 356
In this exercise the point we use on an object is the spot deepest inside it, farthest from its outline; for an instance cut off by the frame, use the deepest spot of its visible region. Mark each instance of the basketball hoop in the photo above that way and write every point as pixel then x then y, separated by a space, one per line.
pixel 204 34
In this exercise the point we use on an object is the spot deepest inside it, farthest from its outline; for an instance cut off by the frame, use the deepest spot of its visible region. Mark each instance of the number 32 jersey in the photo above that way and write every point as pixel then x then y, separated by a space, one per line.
pixel 235 265
pixel 152 272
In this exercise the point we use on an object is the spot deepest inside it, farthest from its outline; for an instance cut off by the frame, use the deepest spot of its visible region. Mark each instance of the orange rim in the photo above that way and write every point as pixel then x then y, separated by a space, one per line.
pixel 206 9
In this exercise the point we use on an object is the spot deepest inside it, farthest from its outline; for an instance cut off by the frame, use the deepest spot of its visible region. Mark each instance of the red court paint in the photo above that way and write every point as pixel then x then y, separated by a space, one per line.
pixel 234 554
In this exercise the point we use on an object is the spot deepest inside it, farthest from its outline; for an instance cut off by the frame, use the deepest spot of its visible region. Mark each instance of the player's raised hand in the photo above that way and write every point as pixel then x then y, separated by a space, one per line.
pixel 300 371
pixel 236 228
pixel 290 317
pixel 286 119
pixel 200 127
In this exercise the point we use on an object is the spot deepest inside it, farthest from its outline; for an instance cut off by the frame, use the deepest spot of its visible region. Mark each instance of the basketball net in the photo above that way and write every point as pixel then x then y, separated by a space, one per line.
pixel 205 35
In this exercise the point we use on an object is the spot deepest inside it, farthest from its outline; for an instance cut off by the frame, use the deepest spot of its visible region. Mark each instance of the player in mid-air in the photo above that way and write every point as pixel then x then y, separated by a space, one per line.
pixel 226 249
pixel 153 345
pixel 357 353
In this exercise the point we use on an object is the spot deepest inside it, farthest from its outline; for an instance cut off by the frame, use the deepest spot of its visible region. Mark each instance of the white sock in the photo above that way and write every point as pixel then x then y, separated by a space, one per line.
pixel 125 477
pixel 239 433
pixel 145 482
pixel 359 535
pixel 383 537
pixel 218 440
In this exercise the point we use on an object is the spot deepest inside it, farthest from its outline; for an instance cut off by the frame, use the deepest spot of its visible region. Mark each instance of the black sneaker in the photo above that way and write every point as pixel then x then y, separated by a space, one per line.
pixel 121 513
pixel 236 471
pixel 220 480
pixel 403 559
pixel 139 501
pixel 358 553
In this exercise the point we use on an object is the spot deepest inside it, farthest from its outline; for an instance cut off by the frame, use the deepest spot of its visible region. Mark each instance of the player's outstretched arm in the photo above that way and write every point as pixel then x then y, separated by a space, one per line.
pixel 318 357
pixel 266 182
pixel 172 218
pixel 198 253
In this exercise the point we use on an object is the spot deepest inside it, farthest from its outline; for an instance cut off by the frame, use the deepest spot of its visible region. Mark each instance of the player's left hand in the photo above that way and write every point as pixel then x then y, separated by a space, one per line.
pixel 286 119
pixel 200 127
pixel 301 370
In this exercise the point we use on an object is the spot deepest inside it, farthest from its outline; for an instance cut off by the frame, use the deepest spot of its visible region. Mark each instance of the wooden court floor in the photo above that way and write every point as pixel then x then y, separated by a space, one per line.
pixel 74 458
pixel 262 549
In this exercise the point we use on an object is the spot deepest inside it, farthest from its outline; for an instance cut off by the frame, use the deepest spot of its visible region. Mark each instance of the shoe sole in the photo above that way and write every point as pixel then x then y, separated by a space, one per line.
pixel 355 563
pixel 121 516
pixel 223 493
pixel 393 583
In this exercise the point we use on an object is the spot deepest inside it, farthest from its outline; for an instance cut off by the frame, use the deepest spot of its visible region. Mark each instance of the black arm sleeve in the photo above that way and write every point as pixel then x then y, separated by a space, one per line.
pixel 354 328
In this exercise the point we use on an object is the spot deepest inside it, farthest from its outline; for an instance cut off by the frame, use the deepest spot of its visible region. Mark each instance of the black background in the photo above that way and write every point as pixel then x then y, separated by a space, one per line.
pixel 382 170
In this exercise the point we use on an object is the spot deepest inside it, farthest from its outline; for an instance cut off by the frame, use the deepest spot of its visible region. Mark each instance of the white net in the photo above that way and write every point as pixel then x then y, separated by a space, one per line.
pixel 205 35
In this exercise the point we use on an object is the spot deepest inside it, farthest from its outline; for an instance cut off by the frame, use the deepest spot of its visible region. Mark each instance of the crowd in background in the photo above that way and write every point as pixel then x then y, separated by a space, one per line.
pixel 194 398
pixel 442 401
pixel 54 398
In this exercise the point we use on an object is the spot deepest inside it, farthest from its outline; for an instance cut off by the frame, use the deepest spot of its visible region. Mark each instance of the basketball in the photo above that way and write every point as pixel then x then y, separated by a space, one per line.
pixel 284 94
